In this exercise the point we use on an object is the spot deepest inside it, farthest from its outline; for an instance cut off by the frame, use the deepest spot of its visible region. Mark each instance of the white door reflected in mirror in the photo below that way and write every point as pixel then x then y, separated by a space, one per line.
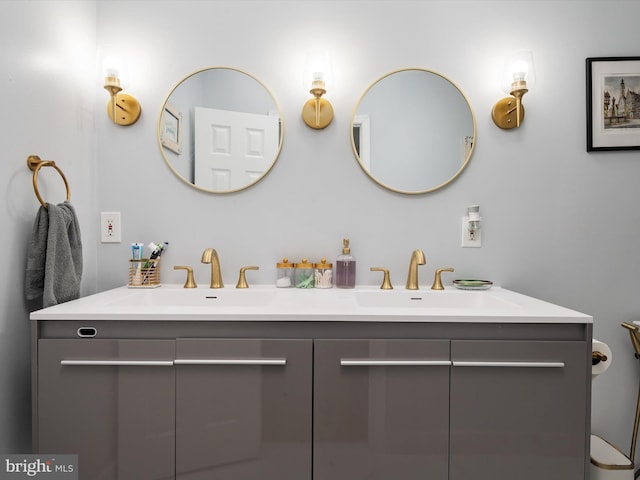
pixel 232 149
pixel 235 144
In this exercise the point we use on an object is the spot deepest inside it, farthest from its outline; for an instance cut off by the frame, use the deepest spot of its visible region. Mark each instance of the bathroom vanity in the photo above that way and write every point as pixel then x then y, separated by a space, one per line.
pixel 270 383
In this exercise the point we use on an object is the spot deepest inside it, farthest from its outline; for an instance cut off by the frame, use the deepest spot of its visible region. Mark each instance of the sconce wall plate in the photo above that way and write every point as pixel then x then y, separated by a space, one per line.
pixel 317 113
pixel 505 114
pixel 127 109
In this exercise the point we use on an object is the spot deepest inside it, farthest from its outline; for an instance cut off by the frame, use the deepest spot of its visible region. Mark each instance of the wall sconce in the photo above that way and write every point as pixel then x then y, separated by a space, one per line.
pixel 123 109
pixel 518 77
pixel 317 112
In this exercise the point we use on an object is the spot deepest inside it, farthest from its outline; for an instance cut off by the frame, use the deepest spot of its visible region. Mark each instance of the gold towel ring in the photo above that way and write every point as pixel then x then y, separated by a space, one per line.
pixel 35 164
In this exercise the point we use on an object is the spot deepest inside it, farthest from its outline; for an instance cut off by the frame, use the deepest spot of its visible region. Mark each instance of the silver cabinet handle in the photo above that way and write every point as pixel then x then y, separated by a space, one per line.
pixel 231 361
pixel 119 363
pixel 170 363
pixel 510 364
pixel 358 362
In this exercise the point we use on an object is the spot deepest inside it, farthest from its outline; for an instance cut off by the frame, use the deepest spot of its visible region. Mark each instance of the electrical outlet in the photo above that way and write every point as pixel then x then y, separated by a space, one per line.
pixel 470 239
pixel 110 231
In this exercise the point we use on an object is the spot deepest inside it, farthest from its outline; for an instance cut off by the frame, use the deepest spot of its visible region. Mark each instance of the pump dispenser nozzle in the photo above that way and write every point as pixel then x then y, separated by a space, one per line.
pixel 345 249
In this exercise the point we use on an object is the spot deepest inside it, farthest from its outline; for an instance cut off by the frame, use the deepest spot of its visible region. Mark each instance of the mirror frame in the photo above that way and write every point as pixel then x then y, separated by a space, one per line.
pixel 167 104
pixel 411 192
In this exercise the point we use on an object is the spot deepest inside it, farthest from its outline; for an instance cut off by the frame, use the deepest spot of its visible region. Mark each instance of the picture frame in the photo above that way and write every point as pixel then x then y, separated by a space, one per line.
pixel 613 103
pixel 171 129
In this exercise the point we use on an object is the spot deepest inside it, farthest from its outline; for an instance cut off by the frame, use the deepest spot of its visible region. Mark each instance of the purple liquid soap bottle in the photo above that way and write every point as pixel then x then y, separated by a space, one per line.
pixel 345 268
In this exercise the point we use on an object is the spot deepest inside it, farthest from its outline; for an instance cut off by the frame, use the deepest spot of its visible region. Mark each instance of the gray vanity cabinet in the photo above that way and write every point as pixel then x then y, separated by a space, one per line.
pixel 518 410
pixel 111 402
pixel 183 409
pixel 243 409
pixel 381 409
pixel 303 400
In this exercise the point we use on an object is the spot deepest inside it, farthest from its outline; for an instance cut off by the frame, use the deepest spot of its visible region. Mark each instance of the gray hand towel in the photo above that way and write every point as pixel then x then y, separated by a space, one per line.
pixel 54 261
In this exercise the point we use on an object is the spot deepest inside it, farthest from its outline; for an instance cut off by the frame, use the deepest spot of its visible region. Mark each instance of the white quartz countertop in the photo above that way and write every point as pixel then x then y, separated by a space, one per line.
pixel 268 303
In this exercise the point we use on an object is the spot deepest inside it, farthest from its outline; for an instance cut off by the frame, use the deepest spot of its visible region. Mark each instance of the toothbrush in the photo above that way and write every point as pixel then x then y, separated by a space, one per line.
pixel 155 254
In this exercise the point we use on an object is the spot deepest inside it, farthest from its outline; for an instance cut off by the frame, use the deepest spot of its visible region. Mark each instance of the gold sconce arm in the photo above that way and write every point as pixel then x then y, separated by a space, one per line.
pixel 317 112
pixel 508 112
pixel 123 109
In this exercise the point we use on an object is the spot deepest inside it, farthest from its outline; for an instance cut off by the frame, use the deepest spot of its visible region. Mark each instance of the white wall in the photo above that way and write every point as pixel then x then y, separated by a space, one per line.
pixel 560 224
pixel 47 52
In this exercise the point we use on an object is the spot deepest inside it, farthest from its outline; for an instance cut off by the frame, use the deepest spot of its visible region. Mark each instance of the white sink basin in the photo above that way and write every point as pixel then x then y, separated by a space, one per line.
pixel 442 299
pixel 197 297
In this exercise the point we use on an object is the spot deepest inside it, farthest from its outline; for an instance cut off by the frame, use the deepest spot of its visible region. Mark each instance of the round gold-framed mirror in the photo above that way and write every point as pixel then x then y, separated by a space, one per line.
pixel 220 130
pixel 413 131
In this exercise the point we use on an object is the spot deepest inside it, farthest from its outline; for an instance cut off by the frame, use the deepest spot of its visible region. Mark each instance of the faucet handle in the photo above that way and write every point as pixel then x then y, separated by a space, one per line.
pixel 190 283
pixel 386 281
pixel 242 280
pixel 437 282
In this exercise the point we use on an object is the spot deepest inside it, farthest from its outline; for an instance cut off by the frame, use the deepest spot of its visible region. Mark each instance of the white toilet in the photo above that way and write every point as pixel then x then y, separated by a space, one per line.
pixel 607 461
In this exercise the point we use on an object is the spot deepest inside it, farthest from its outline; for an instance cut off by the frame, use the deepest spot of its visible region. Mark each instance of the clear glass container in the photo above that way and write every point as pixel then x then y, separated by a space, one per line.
pixel 304 274
pixel 323 274
pixel 284 274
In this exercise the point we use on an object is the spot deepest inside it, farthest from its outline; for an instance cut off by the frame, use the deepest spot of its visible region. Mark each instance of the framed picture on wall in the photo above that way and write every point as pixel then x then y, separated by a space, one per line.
pixel 171 129
pixel 613 103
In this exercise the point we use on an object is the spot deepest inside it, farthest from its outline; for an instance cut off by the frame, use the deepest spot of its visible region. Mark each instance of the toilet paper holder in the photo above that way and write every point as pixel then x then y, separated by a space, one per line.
pixel 597 357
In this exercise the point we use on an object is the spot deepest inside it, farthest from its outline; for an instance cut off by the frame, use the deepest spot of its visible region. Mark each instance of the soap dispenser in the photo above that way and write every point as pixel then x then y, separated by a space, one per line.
pixel 345 268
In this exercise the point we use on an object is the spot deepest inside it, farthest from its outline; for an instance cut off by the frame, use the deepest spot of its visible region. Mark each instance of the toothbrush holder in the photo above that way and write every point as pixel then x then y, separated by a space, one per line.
pixel 144 273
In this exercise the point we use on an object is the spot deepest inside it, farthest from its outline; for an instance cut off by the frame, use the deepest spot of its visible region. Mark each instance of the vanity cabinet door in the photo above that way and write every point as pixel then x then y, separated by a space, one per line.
pixel 243 409
pixel 111 402
pixel 381 409
pixel 518 410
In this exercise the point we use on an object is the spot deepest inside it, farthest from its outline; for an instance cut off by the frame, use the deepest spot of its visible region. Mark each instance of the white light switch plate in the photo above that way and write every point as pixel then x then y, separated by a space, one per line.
pixel 110 227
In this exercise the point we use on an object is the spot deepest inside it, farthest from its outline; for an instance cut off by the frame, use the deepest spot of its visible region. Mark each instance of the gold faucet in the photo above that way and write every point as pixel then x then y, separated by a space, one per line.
pixel 242 280
pixel 437 280
pixel 211 256
pixel 190 283
pixel 386 280
pixel 417 258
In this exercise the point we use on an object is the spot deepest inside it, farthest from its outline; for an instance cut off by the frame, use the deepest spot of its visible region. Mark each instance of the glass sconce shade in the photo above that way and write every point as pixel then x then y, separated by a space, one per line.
pixel 317 69
pixel 123 109
pixel 518 68
pixel 317 112
pixel 518 77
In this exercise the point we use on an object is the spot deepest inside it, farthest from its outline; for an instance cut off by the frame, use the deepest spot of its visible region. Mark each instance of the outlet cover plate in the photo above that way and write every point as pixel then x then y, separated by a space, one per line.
pixel 467 241
pixel 110 227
